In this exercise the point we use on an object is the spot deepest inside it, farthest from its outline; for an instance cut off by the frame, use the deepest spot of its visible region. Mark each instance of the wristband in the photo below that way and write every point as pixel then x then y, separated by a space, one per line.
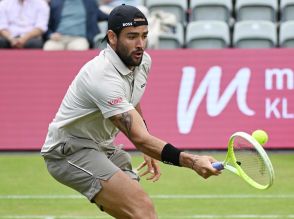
pixel 170 155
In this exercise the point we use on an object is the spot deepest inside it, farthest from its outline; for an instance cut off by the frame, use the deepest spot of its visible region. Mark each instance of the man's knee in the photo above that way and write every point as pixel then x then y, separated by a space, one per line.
pixel 53 45
pixel 146 209
pixel 78 44
pixel 124 198
pixel 143 208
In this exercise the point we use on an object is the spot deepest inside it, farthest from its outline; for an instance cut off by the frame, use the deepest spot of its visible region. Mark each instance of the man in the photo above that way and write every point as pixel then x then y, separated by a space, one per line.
pixel 22 23
pixel 73 24
pixel 103 99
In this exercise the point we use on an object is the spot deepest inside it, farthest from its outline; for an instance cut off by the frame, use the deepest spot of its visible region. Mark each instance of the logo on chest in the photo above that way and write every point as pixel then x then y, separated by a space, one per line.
pixel 115 101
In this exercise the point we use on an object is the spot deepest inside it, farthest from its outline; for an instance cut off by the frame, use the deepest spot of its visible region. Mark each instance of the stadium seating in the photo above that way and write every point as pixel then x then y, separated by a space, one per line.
pixel 211 10
pixel 255 34
pixel 286 34
pixel 256 10
pixel 223 23
pixel 207 35
pixel 287 10
pixel 172 41
pixel 178 8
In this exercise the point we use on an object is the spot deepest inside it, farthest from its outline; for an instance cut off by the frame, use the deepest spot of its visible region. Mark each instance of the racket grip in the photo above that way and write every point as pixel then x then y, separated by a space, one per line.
pixel 218 165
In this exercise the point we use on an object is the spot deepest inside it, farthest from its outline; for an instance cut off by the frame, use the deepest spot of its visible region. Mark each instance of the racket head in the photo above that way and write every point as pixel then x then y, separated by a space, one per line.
pixel 247 158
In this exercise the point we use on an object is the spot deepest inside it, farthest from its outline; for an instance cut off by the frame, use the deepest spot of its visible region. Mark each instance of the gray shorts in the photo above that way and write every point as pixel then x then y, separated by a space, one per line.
pixel 82 168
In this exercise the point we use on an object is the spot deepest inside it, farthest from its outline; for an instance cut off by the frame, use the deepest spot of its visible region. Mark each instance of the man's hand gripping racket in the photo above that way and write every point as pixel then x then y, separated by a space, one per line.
pixel 247 159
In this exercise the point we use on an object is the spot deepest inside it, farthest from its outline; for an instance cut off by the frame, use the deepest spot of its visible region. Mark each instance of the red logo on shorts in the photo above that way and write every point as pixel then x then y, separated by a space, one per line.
pixel 115 101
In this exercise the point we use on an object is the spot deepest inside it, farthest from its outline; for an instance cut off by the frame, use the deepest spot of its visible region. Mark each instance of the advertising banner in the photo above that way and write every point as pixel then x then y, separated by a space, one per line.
pixel 194 99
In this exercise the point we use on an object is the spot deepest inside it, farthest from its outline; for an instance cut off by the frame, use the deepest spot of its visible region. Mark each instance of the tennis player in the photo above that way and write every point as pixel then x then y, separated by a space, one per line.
pixel 102 100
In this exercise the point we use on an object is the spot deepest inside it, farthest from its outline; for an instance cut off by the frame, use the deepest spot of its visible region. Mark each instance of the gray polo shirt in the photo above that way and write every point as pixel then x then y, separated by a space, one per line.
pixel 104 87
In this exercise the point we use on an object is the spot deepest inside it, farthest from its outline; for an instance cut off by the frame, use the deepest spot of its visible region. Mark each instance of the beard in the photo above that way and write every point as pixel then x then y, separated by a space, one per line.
pixel 127 56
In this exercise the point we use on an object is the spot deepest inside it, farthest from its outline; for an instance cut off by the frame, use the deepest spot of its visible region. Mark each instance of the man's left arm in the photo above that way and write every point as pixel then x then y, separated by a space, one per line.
pixel 139 110
pixel 152 164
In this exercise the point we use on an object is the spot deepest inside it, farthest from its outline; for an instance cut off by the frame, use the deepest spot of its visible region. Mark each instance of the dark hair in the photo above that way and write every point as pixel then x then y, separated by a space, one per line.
pixel 117 32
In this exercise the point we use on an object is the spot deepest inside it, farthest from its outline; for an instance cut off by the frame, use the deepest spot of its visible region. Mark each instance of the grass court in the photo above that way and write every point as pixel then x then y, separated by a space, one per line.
pixel 27 191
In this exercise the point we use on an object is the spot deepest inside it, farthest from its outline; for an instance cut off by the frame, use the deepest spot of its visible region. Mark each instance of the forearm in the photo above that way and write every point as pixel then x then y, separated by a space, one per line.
pixel 188 160
pixel 139 110
pixel 151 146
pixel 32 34
pixel 6 34
pixel 132 125
pixel 154 148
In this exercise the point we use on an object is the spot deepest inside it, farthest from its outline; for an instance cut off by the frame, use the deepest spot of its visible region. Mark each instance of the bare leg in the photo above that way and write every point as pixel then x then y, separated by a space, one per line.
pixel 124 198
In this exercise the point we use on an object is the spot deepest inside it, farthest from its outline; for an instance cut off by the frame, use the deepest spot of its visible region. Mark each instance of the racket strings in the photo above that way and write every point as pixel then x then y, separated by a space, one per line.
pixel 251 162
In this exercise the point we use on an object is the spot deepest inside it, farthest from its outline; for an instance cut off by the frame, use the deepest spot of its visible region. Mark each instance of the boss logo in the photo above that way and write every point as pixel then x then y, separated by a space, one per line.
pixel 127 24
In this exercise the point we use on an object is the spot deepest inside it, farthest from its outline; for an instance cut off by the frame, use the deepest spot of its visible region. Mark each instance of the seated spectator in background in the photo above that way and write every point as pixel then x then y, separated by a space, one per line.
pixel 22 23
pixel 73 24
pixel 107 5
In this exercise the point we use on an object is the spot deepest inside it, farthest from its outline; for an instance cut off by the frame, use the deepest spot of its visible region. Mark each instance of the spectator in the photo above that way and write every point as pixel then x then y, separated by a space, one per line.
pixel 73 24
pixel 22 23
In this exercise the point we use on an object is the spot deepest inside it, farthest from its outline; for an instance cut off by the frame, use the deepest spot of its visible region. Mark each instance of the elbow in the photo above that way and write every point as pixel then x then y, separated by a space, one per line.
pixel 140 140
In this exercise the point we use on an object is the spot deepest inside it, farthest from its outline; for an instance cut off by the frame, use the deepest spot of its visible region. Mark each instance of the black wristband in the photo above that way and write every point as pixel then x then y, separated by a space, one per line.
pixel 170 155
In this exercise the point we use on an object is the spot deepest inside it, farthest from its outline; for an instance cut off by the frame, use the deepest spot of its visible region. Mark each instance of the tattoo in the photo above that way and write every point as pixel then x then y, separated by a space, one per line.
pixel 124 123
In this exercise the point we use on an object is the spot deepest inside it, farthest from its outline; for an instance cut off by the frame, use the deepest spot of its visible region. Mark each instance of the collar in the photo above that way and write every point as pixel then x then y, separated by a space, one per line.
pixel 116 61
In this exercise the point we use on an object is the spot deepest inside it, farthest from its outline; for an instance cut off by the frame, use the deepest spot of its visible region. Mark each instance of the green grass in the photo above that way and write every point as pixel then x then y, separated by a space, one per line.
pixel 27 191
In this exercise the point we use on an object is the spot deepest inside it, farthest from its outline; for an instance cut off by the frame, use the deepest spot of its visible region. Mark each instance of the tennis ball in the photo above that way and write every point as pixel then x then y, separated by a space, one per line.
pixel 260 136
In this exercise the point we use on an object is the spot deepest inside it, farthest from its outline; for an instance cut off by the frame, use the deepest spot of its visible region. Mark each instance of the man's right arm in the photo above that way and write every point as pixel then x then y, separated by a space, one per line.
pixel 132 125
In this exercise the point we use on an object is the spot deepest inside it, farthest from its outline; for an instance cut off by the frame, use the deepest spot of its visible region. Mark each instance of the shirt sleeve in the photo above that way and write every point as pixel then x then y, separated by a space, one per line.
pixel 43 16
pixel 110 98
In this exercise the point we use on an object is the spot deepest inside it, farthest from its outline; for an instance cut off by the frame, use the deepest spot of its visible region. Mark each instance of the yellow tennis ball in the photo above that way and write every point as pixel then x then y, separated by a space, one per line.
pixel 261 136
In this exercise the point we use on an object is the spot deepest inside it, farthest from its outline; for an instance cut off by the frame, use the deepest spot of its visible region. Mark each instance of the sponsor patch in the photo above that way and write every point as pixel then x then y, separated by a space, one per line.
pixel 115 101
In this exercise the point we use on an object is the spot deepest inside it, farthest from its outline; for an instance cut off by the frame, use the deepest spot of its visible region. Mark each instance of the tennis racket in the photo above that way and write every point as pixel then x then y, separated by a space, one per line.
pixel 247 159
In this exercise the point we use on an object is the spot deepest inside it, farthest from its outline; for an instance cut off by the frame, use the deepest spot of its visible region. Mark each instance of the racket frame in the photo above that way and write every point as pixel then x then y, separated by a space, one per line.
pixel 230 162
